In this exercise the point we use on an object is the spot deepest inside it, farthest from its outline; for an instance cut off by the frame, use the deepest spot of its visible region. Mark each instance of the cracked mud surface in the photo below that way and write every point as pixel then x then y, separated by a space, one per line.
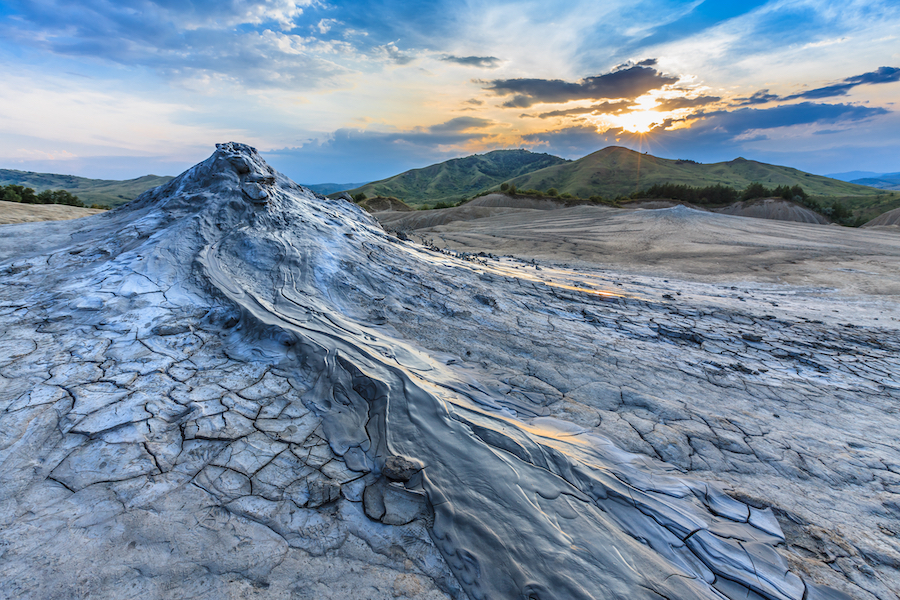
pixel 245 390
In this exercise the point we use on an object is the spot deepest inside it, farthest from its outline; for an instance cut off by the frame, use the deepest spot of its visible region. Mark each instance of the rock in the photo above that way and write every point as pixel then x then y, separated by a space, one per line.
pixel 392 504
pixel 400 468
pixel 255 192
pixel 322 491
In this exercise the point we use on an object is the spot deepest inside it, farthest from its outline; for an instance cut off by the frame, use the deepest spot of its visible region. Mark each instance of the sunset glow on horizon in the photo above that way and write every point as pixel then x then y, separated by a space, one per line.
pixel 355 91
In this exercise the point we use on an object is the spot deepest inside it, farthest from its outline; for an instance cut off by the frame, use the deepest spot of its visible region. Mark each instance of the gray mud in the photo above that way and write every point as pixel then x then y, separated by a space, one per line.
pixel 518 504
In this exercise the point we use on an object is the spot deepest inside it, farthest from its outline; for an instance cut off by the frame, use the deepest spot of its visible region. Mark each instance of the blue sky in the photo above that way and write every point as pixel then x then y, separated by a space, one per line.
pixel 355 91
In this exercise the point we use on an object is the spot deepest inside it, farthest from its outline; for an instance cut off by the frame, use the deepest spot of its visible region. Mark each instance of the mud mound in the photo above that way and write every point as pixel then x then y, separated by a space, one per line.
pixel 657 203
pixel 422 219
pixel 374 205
pixel 226 371
pixel 889 219
pixel 776 209
pixel 502 200
pixel 482 207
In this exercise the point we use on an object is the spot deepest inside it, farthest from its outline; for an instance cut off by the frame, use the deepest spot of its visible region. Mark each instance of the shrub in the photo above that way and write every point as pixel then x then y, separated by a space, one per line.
pixel 359 197
pixel 552 192
pixel 504 187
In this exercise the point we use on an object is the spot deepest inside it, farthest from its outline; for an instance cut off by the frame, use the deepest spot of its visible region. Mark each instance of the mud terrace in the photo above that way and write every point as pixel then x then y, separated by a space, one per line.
pixel 233 387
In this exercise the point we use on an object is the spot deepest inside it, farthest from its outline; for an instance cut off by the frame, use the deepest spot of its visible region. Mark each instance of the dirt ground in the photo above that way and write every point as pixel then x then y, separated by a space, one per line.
pixel 13 212
pixel 683 242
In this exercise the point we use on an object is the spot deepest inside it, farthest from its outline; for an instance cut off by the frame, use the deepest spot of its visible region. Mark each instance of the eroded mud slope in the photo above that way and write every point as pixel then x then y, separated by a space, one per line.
pixel 233 383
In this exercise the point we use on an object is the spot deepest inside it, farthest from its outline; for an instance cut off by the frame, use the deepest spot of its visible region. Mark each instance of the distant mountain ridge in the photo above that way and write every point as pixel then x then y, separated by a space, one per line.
pixel 849 176
pixel 888 181
pixel 452 180
pixel 615 171
pixel 105 192
pixel 330 188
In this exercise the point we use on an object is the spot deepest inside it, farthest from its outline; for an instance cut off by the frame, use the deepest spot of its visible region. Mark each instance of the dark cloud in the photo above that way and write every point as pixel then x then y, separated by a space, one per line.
pixel 676 103
pixel 518 101
pixel 474 102
pixel 747 119
pixel 880 75
pixel 760 97
pixel 629 82
pixel 460 124
pixel 484 62
pixel 604 108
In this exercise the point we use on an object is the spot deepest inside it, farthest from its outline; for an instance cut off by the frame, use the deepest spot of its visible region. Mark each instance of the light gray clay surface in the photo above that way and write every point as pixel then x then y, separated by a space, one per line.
pixel 233 387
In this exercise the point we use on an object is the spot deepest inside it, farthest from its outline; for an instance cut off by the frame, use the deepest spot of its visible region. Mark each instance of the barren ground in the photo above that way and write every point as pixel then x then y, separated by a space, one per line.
pixel 166 427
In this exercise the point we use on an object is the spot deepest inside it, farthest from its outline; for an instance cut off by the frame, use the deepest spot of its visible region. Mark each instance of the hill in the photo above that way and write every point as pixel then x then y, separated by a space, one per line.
pixel 616 171
pixel 106 192
pixel 452 180
pixel 331 188
pixel 853 175
pixel 888 181
pixel 379 204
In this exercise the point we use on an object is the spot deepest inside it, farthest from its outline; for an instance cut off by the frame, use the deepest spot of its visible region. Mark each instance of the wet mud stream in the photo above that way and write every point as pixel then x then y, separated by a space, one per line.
pixel 523 506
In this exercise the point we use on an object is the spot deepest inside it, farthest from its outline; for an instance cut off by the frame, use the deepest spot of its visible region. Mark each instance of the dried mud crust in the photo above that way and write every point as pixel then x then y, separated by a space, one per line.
pixel 222 390
pixel 148 467
pixel 762 388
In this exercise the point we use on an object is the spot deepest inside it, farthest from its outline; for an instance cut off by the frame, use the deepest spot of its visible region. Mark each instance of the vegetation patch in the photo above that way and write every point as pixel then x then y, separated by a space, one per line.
pixel 27 195
pixel 105 193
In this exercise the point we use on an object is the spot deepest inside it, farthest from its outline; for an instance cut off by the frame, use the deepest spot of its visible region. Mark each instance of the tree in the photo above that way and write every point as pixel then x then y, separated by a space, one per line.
pixel 552 192
pixel 755 190
pixel 7 194
pixel 504 187
pixel 359 197
pixel 58 197
pixel 26 195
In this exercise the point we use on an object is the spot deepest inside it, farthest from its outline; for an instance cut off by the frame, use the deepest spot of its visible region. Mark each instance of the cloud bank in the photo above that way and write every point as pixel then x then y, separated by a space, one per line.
pixel 629 82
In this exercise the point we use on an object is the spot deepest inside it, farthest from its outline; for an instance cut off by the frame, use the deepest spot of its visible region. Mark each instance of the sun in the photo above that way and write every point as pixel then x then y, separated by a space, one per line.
pixel 640 121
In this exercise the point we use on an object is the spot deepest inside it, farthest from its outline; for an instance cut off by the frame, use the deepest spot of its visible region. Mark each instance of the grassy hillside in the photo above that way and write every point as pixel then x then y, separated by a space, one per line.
pixel 615 171
pixel 866 208
pixel 455 179
pixel 105 192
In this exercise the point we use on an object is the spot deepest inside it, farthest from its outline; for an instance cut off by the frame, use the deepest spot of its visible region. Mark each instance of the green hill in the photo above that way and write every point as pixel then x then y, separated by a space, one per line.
pixel 616 171
pixel 455 179
pixel 105 192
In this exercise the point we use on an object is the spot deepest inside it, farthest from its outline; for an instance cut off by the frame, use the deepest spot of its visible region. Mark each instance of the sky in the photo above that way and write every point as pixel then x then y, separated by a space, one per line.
pixel 354 91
